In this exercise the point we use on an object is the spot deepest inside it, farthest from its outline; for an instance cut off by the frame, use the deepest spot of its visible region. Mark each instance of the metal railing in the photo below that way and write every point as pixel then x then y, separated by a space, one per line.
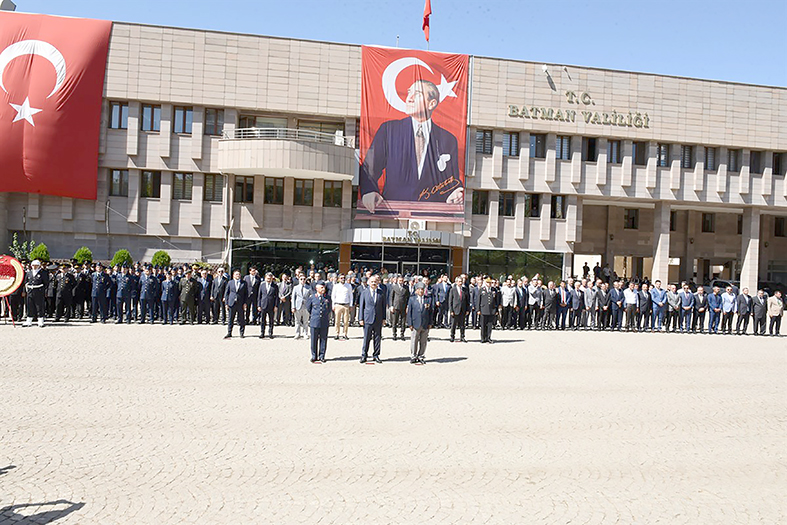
pixel 289 134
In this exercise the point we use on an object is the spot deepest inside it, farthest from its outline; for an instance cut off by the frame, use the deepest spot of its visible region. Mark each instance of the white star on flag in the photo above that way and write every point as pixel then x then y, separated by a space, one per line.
pixel 446 88
pixel 26 112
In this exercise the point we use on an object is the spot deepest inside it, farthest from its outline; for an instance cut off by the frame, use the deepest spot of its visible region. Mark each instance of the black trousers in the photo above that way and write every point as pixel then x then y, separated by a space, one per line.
pixel 726 322
pixel 236 311
pixel 775 325
pixel 458 321
pixel 372 334
pixel 631 316
pixel 319 342
pixel 603 319
pixel 147 309
pixel 63 308
pixel 36 304
pixel 219 310
pixel 487 324
pixel 270 317
pixel 759 325
pixel 743 320
pixel 203 310
pixel 699 319
pixel 399 319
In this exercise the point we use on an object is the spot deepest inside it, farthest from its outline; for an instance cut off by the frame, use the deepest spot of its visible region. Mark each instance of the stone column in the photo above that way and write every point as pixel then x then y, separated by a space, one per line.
pixel 661 239
pixel 750 250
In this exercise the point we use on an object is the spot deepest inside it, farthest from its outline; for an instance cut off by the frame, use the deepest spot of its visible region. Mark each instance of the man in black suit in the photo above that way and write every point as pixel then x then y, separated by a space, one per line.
pixel 458 304
pixel 760 312
pixel 522 299
pixel 217 289
pixel 487 307
pixel 372 305
pixel 399 295
pixel 267 304
pixel 235 295
pixel 253 288
pixel 700 309
pixel 549 320
pixel 604 302
pixel 643 309
pixel 475 288
pixel 744 311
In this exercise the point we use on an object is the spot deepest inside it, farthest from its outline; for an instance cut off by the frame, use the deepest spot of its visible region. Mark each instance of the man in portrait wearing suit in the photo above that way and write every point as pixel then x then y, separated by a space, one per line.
pixel 267 304
pixel 420 159
pixel 419 319
pixel 235 296
pixel 458 304
pixel 372 305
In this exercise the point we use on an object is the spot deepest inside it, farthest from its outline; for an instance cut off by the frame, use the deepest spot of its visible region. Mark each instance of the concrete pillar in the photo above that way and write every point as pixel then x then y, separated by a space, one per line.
pixel 750 249
pixel 661 238
pixel 568 264
pixel 687 263
pixel 5 240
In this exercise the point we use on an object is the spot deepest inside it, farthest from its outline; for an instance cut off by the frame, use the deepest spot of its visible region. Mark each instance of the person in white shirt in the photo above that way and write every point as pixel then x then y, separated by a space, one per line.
pixel 631 298
pixel 508 302
pixel 342 299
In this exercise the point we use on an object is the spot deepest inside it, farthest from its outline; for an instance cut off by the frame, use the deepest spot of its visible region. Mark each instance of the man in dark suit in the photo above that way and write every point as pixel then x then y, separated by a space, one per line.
pixel 148 291
pixel 604 302
pixel 644 316
pixel 252 287
pixel 319 308
pixel 618 305
pixel 441 289
pixel 577 306
pixel 420 159
pixel 399 295
pixel 550 307
pixel 419 319
pixel 522 299
pixel 564 301
pixel 267 304
pixel 458 304
pixel 217 289
pixel 235 297
pixel 475 288
pixel 203 298
pixel 372 305
pixel 700 309
pixel 487 307
pixel 760 311
pixel 744 311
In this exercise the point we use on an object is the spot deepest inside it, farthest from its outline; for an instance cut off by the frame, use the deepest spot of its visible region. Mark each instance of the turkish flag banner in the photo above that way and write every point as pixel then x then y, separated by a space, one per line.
pixel 51 86
pixel 413 135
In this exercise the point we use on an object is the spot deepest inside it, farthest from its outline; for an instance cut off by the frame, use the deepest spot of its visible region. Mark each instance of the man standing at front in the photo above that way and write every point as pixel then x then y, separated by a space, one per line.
pixel 301 295
pixel 267 303
pixel 458 304
pixel 744 307
pixel 400 295
pixel 371 311
pixel 729 305
pixel 419 318
pixel 487 306
pixel 319 308
pixel 235 298
pixel 714 305
pixel 775 313
pixel 36 283
pixel 658 297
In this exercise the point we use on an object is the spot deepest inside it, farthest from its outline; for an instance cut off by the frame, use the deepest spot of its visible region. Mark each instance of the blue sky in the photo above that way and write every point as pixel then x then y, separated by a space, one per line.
pixel 741 41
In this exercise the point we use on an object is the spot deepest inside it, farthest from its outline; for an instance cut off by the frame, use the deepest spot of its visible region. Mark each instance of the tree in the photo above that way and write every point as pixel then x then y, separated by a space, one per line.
pixel 161 258
pixel 21 250
pixel 122 257
pixel 40 252
pixel 83 255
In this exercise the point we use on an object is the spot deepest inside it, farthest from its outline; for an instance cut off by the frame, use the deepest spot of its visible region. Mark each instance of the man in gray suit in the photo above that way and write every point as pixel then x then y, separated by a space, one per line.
pixel 301 293
pixel 419 318
pixel 744 311
pixel 760 311
pixel 589 315
pixel 399 297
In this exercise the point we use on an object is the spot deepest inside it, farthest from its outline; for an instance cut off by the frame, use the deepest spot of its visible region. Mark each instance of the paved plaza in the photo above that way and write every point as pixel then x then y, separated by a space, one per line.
pixel 135 424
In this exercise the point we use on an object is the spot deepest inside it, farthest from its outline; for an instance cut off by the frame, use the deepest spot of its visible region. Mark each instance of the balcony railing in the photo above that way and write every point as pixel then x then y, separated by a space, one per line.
pixel 305 135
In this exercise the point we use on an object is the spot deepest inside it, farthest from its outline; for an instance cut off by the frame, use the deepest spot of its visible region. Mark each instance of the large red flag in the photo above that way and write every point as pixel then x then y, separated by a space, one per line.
pixel 51 85
pixel 427 12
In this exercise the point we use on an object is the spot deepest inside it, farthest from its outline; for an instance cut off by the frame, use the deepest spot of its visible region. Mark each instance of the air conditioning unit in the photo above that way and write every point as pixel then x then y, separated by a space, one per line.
pixel 416 225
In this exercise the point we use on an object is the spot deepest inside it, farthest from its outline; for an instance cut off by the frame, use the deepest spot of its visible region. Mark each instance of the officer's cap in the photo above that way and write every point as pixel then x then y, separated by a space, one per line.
pixel 35 262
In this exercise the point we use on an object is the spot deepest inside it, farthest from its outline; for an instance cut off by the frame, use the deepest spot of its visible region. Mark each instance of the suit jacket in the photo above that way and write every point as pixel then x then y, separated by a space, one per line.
pixel 604 298
pixel 372 310
pixel 300 296
pixel 564 297
pixel 458 303
pixel 252 290
pixel 268 296
pixel 393 151
pixel 775 307
pixel 218 288
pixel 399 295
pixel 550 299
pixel 319 307
pixel 522 297
pixel 714 301
pixel 442 290
pixel 759 307
pixel 644 302
pixel 616 296
pixel 474 293
pixel 148 287
pixel 233 294
pixel 487 301
pixel 169 291
pixel 417 316
pixel 701 301
pixel 744 304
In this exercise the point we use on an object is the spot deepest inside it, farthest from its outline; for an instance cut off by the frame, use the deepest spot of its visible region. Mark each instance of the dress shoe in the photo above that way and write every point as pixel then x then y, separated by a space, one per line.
pixel 322 360
pixel 377 360
pixel 422 360
pixel 413 361
pixel 464 340
pixel 227 336
pixel 452 339
pixel 242 336
pixel 261 336
pixel 363 360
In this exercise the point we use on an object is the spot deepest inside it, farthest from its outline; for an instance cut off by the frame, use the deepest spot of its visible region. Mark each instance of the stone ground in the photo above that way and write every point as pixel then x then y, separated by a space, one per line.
pixel 154 424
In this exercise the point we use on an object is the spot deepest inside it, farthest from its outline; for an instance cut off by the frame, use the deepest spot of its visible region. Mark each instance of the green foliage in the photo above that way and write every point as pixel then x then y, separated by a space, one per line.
pixel 21 250
pixel 161 258
pixel 83 255
pixel 122 257
pixel 40 252
pixel 202 265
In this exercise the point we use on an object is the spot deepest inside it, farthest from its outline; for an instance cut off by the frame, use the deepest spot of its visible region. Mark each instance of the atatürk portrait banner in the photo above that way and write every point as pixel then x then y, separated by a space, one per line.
pixel 413 133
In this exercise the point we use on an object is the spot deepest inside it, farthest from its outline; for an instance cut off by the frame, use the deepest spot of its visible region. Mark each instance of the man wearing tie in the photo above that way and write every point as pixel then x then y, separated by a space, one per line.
pixel 372 306
pixel 686 308
pixel 319 307
pixel 700 308
pixel 714 304
pixel 235 297
pixel 203 298
pixel 252 289
pixel 267 304
pixel 744 308
pixel 458 304
pixel 301 295
pixel 760 309
pixel 618 305
pixel 658 297
pixel 419 318
pixel 563 304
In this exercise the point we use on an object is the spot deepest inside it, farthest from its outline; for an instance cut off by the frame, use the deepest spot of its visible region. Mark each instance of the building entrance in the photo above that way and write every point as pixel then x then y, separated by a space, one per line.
pixel 401 259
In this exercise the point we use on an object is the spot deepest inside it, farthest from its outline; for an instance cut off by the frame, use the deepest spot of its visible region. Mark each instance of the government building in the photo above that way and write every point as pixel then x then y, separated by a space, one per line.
pixel 243 148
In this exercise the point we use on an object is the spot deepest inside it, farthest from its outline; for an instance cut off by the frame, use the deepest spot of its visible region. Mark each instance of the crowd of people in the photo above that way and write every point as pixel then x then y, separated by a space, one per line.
pixel 315 301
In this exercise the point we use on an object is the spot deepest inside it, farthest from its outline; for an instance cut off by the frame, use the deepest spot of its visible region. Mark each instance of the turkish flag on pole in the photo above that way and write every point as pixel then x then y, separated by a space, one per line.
pixel 427 12
pixel 51 87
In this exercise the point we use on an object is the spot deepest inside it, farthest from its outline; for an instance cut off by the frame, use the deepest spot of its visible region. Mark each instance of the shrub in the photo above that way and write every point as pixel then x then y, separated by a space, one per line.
pixel 21 250
pixel 161 258
pixel 83 255
pixel 40 252
pixel 122 257
pixel 202 265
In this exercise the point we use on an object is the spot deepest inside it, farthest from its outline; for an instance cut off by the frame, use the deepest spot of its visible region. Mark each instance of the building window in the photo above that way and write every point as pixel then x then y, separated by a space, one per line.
pixel 332 194
pixel 778 227
pixel 354 199
pixel 181 186
pixel 151 184
pixel 214 121
pixel 118 116
pixel 184 118
pixel 558 207
pixel 532 205
pixel 244 189
pixel 274 190
pixel 734 160
pixel 214 187
pixel 640 153
pixel 483 141
pixel 563 147
pixel 686 157
pixel 613 152
pixel 662 152
pixel 256 121
pixel 589 150
pixel 505 204
pixel 673 221
pixel 631 219
pixel 740 224
pixel 480 202
pixel 151 118
pixel 331 128
pixel 710 159
pixel 510 144
pixel 708 222
pixel 778 158
pixel 755 162
pixel 118 183
pixel 304 192
pixel 538 146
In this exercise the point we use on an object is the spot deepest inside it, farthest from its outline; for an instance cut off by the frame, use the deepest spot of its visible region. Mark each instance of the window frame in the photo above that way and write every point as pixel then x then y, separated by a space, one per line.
pixel 487 143
pixel 715 159
pixel 331 202
pixel 673 220
pixel 504 200
pixel 113 191
pixel 478 201
pixel 615 146
pixel 215 129
pixel 777 165
pixel 511 144
pixel 563 147
pixel 154 118
pixel 562 201
pixel 734 166
pixel 303 184
pixel 277 196
pixel 708 222
pixel 637 147
pixel 246 183
pixel 538 146
pixel 756 167
pixel 687 158
pixel 180 178
pixel 532 205
pixel 121 122
pixel 214 177
pixel 631 219
pixel 589 145
pixel 182 120
pixel 779 231
pixel 662 155
pixel 155 188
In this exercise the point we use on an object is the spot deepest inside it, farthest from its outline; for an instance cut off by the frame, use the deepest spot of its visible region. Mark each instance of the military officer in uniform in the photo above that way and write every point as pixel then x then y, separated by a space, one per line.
pixel 487 306
pixel 65 282
pixel 123 295
pixel 188 294
pixel 319 307
pixel 148 290
pixel 36 284
pixel 169 298
pixel 98 294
